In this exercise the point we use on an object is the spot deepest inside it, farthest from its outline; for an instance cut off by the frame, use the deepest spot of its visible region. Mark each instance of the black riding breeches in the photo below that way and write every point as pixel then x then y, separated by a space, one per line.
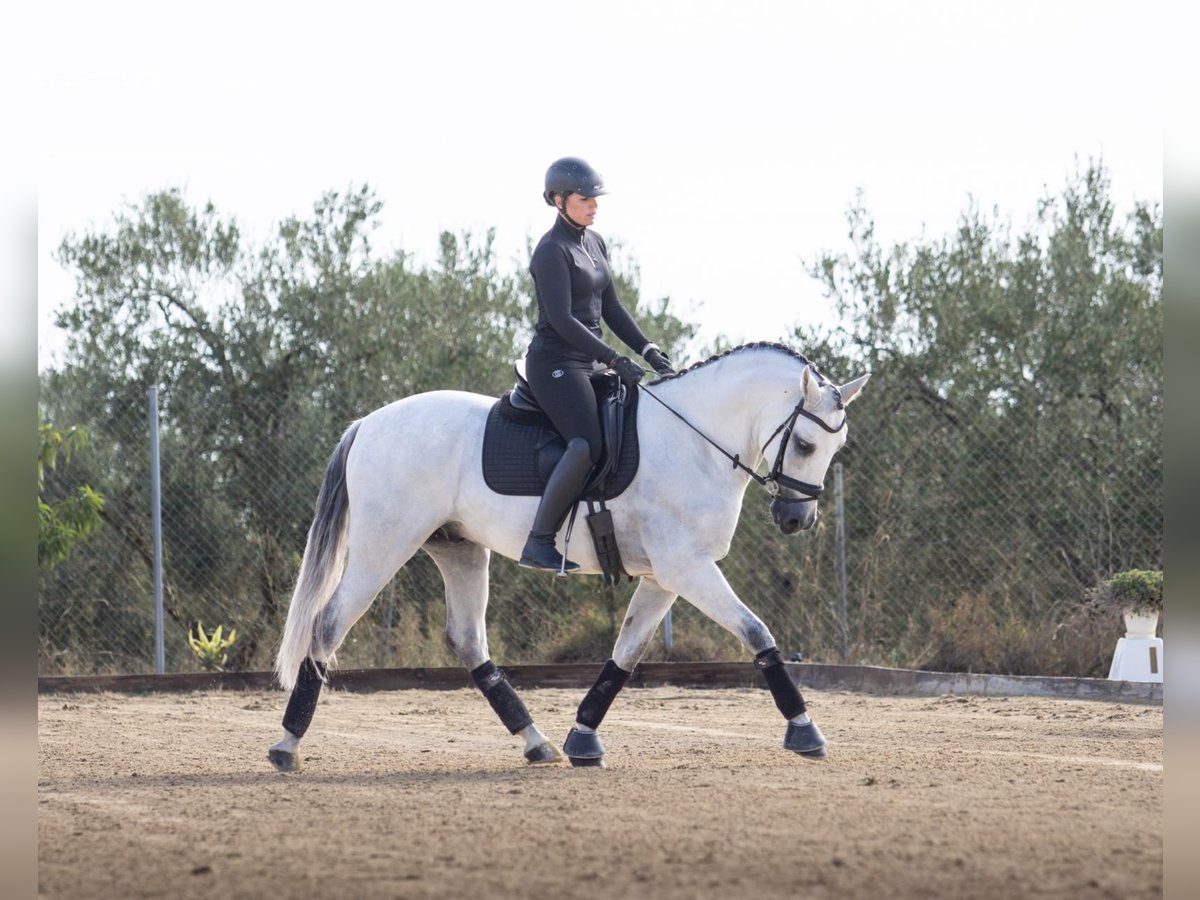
pixel 563 387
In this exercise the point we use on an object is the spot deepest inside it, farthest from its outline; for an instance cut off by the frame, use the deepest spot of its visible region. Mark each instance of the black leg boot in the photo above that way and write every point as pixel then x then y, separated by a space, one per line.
pixel 562 490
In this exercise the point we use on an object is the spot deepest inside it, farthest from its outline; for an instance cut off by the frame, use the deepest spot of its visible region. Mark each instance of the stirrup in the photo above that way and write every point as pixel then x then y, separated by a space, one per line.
pixel 562 567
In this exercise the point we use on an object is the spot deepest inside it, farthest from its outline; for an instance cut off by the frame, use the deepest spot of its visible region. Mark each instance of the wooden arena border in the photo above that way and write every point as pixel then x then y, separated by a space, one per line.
pixel 815 676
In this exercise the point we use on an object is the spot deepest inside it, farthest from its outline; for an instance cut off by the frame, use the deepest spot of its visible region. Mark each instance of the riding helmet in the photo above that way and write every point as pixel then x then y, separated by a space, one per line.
pixel 572 175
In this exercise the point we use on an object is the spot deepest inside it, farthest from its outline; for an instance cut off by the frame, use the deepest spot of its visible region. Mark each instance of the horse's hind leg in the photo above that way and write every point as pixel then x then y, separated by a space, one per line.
pixel 284 754
pixel 464 568
pixel 370 567
pixel 647 607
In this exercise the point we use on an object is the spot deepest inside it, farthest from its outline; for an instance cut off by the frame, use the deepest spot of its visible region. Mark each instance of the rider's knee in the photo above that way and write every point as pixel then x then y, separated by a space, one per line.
pixel 593 448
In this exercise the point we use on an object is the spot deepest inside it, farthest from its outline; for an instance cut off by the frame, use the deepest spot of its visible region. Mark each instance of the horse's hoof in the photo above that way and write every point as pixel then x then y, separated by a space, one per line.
pixel 584 749
pixel 541 754
pixel 284 761
pixel 580 762
pixel 806 740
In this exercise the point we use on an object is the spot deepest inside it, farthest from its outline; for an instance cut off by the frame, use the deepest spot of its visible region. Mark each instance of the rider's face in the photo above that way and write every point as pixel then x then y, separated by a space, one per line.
pixel 580 209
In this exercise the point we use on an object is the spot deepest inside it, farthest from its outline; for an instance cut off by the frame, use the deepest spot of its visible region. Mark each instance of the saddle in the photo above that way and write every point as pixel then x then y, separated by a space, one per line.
pixel 521 449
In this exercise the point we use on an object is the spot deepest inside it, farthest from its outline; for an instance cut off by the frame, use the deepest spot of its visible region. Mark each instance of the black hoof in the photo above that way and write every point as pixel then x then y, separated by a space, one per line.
pixel 806 740
pixel 542 753
pixel 584 748
pixel 283 760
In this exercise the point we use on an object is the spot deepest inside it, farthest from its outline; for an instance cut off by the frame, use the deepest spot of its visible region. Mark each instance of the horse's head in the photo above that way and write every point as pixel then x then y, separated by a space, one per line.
pixel 813 432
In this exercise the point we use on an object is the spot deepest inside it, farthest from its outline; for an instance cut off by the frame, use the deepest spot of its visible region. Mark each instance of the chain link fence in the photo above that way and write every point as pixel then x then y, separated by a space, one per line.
pixel 970 543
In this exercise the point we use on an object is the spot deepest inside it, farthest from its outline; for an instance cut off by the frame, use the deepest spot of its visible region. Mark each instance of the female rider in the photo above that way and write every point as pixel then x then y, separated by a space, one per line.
pixel 574 292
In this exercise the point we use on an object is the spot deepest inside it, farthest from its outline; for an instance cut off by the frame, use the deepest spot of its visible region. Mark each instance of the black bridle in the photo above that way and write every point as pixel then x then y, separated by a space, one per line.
pixel 774 479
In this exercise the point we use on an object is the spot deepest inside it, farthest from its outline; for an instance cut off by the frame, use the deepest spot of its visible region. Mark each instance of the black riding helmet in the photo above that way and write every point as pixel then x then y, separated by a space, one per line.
pixel 572 175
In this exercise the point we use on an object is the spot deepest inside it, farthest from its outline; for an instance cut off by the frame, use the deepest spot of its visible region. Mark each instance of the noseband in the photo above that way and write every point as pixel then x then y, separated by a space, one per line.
pixel 774 480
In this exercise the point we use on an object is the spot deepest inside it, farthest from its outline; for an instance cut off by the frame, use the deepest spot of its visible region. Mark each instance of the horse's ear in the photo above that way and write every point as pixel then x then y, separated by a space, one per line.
pixel 851 389
pixel 812 388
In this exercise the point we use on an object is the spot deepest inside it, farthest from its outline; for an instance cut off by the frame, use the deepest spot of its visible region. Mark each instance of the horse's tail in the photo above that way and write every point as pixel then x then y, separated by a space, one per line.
pixel 321 567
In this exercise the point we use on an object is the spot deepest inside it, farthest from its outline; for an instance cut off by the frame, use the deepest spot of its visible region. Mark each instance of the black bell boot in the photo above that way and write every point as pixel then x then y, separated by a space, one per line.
pixel 562 490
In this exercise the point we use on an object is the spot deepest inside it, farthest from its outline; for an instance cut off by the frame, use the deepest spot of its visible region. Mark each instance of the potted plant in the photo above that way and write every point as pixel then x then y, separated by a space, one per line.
pixel 1138 595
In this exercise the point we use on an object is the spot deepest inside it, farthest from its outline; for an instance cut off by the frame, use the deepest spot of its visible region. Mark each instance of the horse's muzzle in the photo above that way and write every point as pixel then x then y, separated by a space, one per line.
pixel 791 516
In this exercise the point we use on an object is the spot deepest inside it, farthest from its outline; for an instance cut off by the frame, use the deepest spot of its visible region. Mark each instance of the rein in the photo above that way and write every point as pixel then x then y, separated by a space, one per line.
pixel 774 479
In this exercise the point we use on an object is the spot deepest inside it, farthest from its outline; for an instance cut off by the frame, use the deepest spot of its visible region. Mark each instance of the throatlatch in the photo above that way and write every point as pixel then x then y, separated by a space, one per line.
pixel 596 702
pixel 503 699
pixel 783 689
pixel 303 702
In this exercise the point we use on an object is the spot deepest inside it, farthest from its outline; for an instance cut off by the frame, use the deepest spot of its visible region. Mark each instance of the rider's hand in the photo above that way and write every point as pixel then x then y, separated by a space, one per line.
pixel 659 361
pixel 627 370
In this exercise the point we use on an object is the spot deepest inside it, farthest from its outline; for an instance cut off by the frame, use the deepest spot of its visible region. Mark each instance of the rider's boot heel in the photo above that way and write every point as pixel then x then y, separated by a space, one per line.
pixel 540 553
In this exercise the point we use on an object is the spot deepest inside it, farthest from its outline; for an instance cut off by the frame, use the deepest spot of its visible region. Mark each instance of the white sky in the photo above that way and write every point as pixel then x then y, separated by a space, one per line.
pixel 732 136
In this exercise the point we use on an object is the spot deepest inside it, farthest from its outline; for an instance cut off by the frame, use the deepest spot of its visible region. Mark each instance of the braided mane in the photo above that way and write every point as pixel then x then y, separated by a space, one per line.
pixel 759 345
pixel 756 345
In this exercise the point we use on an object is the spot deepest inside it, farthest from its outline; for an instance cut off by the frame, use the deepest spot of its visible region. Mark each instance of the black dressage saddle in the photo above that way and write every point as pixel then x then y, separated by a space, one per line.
pixel 521 447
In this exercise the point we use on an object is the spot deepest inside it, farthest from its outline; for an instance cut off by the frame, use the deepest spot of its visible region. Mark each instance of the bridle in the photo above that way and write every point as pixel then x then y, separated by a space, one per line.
pixel 774 480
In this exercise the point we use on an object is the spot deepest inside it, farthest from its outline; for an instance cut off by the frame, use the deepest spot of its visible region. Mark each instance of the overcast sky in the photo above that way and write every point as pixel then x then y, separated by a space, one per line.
pixel 732 136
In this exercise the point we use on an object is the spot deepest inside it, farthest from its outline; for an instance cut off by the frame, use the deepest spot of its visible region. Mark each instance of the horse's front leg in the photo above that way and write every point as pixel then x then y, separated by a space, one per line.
pixel 703 585
pixel 647 607
pixel 464 568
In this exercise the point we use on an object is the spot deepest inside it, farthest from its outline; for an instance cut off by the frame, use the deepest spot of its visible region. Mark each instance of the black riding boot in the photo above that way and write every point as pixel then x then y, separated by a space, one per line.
pixel 562 490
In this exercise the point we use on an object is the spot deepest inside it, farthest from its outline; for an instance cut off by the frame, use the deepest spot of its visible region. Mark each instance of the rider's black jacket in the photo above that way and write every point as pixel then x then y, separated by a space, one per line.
pixel 575 291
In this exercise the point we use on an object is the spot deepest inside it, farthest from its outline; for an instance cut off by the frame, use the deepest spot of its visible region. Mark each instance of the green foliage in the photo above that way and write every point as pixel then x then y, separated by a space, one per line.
pixel 1009 445
pixel 1135 589
pixel 210 648
pixel 63 522
pixel 53 441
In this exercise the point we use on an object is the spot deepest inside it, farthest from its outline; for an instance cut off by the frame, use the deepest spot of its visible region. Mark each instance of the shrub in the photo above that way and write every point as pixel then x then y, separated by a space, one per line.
pixel 1135 589
pixel 978 633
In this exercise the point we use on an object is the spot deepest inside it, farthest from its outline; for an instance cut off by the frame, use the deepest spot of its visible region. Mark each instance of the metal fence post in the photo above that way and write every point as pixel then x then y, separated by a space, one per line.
pixel 156 525
pixel 840 541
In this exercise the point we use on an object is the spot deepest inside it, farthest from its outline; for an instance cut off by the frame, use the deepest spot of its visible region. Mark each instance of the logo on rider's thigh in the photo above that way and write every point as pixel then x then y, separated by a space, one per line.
pixel 557 373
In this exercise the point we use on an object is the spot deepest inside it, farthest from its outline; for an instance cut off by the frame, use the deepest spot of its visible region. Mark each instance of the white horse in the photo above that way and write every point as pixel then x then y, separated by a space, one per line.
pixel 408 477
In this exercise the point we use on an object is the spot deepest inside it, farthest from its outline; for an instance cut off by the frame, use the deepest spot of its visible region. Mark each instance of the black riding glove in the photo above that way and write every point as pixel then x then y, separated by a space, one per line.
pixel 627 370
pixel 659 361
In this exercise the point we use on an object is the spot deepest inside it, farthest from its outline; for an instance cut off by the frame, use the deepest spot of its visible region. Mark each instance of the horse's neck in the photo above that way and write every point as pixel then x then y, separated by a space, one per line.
pixel 733 402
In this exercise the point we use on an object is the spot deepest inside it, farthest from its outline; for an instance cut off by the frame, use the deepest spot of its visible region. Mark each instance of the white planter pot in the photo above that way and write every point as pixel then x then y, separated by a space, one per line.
pixel 1141 622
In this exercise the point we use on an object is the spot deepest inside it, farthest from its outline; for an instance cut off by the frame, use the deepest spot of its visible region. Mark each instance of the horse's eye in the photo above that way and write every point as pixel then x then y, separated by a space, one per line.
pixel 804 448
